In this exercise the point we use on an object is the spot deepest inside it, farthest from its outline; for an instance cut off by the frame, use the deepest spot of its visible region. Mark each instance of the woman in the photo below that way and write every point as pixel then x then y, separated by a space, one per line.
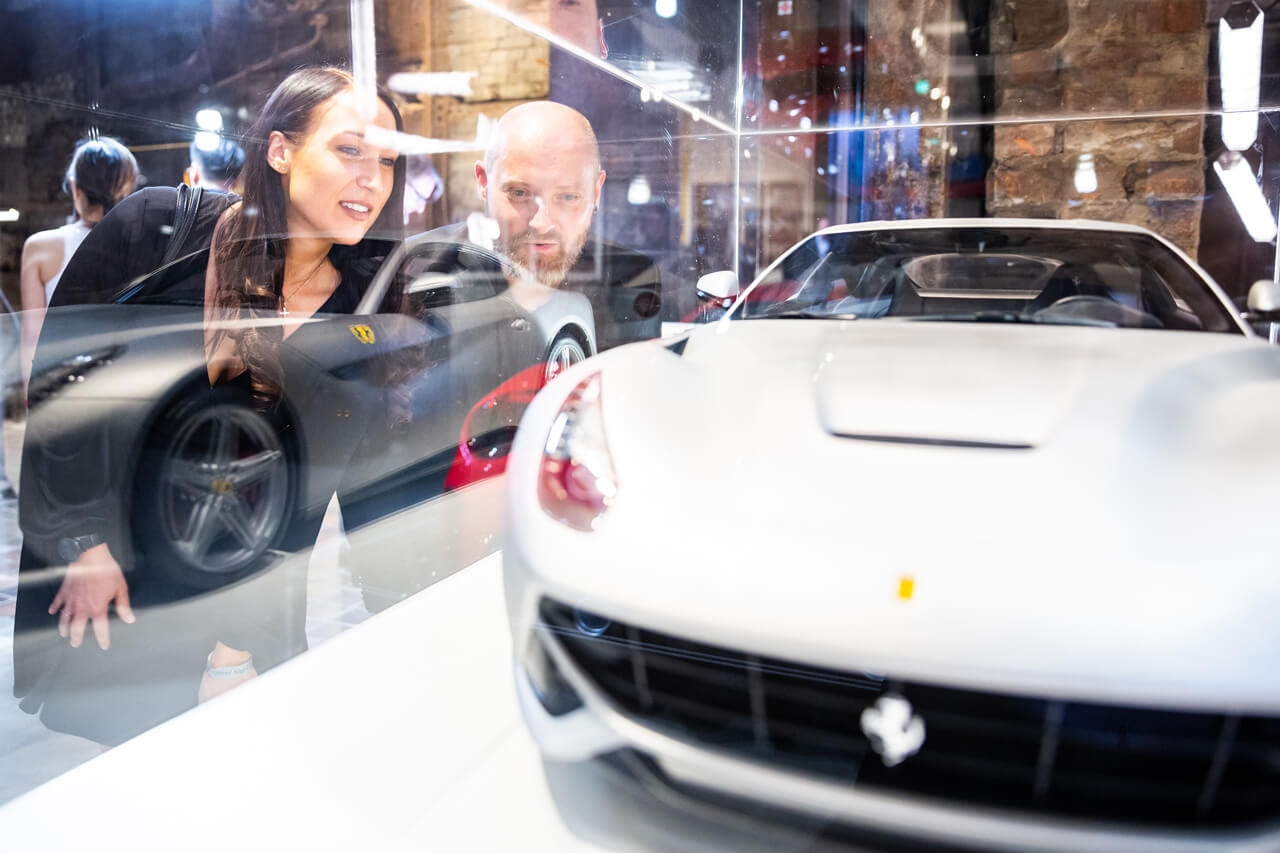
pixel 100 174
pixel 294 246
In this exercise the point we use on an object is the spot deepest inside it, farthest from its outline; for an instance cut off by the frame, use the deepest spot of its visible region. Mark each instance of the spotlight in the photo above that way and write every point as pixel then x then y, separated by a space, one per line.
pixel 1237 177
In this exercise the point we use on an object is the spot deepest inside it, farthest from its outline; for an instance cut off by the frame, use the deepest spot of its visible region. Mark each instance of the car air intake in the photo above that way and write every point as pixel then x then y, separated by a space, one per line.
pixel 1036 754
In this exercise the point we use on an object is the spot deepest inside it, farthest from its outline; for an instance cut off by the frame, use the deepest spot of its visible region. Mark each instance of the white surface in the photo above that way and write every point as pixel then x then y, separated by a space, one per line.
pixel 402 733
pixel 1074 569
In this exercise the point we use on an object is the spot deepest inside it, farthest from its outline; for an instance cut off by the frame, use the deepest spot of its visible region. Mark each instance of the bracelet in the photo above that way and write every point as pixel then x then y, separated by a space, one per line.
pixel 227 671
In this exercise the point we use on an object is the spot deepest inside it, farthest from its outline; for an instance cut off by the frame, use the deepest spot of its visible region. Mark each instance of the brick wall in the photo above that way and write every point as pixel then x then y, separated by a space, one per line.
pixel 1088 57
pixel 513 67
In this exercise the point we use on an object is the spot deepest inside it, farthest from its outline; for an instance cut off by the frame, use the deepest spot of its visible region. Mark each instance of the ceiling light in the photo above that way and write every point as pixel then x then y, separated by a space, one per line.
pixel 639 192
pixel 1086 177
pixel 1237 177
pixel 443 83
pixel 209 120
pixel 1240 69
pixel 207 140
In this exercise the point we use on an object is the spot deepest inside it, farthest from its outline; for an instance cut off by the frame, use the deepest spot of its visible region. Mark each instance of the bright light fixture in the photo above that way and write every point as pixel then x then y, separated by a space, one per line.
pixel 1086 175
pixel 209 120
pixel 364 69
pixel 665 8
pixel 413 144
pixel 1237 177
pixel 443 83
pixel 10 215
pixel 207 140
pixel 1240 70
pixel 638 192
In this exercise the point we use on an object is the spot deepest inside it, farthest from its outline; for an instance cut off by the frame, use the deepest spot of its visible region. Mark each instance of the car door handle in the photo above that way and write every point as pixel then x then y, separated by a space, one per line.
pixel 520 324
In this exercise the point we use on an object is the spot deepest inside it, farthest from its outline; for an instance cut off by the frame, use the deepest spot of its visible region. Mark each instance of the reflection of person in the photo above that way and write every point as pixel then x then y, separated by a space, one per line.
pixel 101 172
pixel 217 168
pixel 578 22
pixel 293 248
pixel 422 188
pixel 540 181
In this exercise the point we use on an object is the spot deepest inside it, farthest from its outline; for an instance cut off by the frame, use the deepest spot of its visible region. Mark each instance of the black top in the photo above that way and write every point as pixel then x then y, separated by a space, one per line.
pixel 87 481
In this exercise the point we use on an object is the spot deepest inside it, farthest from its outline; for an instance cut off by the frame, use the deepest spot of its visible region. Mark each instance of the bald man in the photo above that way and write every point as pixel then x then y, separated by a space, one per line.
pixel 541 181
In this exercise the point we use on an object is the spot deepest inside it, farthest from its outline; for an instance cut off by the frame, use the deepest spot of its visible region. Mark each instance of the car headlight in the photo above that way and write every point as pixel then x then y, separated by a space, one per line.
pixel 576 478
pixel 68 372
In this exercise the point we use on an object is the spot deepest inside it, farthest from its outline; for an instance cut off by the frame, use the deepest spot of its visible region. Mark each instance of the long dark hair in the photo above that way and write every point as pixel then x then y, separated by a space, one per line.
pixel 103 169
pixel 251 240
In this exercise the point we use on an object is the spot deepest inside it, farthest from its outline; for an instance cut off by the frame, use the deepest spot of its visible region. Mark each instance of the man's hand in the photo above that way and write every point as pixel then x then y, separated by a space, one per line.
pixel 92 582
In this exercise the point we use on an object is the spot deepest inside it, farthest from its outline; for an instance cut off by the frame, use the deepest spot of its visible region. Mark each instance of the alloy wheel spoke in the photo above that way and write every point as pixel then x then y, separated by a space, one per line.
pixel 244 472
pixel 202 527
pixel 237 518
pixel 190 477
pixel 225 441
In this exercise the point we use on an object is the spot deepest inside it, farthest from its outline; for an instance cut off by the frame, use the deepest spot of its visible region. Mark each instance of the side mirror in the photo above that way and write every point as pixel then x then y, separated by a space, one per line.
pixel 1263 309
pixel 1264 300
pixel 719 287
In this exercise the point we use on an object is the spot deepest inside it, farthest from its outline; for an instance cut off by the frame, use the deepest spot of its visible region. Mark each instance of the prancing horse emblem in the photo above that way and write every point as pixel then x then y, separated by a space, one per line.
pixel 363 333
pixel 896 732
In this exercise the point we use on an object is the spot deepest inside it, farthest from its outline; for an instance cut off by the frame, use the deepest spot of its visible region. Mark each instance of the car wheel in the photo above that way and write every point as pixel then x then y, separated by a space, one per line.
pixel 216 490
pixel 565 351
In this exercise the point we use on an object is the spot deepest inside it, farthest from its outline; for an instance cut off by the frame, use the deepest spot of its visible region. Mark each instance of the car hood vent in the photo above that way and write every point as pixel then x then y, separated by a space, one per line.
pixel 949 386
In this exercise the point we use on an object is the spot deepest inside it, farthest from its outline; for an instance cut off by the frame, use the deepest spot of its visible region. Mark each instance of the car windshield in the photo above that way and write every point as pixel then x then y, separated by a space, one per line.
pixel 1039 275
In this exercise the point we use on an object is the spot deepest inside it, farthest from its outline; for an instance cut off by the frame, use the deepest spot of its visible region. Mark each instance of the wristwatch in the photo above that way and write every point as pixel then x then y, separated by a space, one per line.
pixel 71 547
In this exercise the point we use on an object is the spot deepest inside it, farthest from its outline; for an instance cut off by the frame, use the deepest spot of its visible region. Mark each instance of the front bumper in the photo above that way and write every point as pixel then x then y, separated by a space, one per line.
pixel 597 727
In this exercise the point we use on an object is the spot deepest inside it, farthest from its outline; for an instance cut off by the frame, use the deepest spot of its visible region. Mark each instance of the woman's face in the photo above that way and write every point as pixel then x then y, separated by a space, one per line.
pixel 335 183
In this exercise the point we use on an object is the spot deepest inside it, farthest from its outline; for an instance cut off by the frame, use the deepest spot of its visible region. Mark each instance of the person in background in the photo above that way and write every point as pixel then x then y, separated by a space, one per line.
pixel 218 168
pixel 423 187
pixel 101 173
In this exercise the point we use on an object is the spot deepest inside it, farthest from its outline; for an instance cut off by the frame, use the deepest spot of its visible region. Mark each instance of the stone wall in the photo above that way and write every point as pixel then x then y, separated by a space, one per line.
pixel 1061 61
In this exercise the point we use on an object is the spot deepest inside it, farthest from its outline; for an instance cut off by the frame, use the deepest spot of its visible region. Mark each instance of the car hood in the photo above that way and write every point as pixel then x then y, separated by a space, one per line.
pixel 946 383
pixel 1076 508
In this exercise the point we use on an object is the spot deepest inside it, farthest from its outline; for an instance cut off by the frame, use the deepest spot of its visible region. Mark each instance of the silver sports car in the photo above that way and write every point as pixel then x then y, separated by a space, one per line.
pixel 948 530
pixel 202 484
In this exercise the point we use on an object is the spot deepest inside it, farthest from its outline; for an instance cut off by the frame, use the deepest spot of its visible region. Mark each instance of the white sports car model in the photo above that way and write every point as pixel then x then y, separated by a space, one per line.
pixel 950 530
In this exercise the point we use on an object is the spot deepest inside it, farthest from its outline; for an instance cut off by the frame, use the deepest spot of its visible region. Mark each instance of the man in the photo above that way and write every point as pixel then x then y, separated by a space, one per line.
pixel 578 22
pixel 217 169
pixel 540 182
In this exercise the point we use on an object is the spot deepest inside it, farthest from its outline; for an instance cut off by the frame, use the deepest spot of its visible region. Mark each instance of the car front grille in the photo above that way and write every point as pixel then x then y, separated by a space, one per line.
pixel 1037 754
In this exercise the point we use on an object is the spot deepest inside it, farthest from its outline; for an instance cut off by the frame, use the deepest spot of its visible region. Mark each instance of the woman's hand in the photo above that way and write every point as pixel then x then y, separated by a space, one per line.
pixel 92 582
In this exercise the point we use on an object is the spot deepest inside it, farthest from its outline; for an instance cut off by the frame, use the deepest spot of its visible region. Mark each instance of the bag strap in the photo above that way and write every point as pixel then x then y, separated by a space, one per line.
pixel 183 220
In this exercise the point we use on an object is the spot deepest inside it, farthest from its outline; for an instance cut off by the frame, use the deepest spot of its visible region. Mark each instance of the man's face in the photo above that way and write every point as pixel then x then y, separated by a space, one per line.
pixel 543 202
pixel 578 22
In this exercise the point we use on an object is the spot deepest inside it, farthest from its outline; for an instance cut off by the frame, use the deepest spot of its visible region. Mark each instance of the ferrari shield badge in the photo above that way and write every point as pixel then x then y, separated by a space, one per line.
pixel 363 333
pixel 896 732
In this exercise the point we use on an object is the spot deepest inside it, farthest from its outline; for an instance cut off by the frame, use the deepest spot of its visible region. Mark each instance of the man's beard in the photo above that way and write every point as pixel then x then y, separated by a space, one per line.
pixel 520 257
